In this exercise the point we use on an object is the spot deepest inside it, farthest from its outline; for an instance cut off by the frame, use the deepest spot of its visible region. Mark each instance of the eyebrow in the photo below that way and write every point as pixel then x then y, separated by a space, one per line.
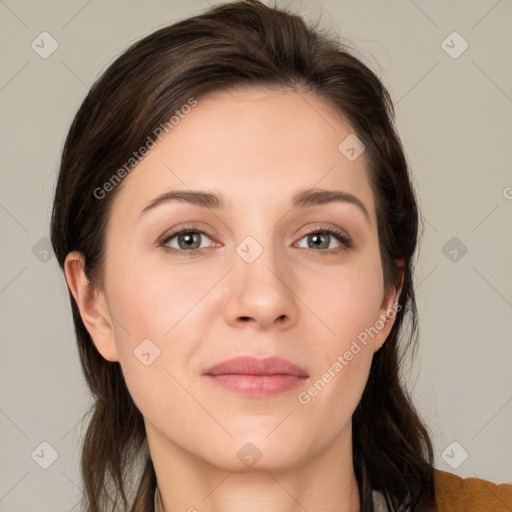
pixel 302 199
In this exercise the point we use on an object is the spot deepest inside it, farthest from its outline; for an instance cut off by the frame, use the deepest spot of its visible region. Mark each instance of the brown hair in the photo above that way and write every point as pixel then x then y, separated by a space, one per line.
pixel 243 43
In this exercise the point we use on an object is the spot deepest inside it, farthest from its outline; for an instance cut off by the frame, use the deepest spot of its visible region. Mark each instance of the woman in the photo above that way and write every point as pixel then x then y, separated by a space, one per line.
pixel 236 223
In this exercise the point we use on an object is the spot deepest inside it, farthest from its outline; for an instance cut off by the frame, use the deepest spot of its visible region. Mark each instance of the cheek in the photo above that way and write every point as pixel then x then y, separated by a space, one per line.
pixel 346 305
pixel 151 337
pixel 165 306
pixel 328 404
pixel 151 302
pixel 345 301
pixel 349 308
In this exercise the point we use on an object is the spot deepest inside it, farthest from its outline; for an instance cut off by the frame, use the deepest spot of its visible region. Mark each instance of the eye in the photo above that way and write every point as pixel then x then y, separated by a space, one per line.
pixel 186 240
pixel 321 238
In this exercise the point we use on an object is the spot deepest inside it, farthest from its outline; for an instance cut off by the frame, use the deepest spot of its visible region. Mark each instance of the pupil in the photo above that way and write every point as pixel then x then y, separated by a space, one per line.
pixel 317 237
pixel 189 239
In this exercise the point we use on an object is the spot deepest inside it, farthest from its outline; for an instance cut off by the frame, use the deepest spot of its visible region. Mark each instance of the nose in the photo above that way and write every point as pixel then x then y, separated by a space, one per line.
pixel 262 293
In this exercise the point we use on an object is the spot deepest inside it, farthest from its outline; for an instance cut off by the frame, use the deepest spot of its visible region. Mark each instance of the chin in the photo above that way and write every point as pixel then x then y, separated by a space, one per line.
pixel 252 454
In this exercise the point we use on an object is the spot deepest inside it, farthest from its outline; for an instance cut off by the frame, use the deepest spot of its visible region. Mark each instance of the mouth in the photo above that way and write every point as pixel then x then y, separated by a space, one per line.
pixel 253 377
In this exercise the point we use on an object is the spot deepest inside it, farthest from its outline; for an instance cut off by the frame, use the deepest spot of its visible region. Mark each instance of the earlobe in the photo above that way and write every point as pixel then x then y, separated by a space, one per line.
pixel 92 305
pixel 389 307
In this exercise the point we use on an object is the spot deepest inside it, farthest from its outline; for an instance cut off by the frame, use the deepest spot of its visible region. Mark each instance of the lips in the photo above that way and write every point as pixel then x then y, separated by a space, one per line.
pixel 255 377
pixel 248 365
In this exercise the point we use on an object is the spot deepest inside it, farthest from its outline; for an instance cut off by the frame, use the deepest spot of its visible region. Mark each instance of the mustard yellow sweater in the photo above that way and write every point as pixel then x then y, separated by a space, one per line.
pixel 457 494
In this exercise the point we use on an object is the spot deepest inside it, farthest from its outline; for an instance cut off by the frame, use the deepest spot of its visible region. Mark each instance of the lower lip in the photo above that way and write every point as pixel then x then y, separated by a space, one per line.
pixel 258 385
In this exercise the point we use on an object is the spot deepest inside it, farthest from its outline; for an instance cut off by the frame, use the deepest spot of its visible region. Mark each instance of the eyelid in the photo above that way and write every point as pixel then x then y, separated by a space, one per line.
pixel 164 239
pixel 341 235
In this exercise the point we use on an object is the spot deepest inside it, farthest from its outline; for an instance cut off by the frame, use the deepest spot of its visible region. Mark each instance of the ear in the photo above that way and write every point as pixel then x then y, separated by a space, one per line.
pixel 91 302
pixel 389 308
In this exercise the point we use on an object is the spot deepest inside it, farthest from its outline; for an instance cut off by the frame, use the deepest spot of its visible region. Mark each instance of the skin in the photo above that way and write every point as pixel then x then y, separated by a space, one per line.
pixel 258 148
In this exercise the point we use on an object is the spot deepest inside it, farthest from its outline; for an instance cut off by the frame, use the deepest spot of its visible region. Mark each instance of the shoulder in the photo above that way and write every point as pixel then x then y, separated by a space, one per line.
pixel 454 493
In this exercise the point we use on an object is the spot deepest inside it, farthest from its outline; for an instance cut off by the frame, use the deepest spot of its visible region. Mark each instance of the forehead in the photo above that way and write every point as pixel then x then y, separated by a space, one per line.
pixel 252 145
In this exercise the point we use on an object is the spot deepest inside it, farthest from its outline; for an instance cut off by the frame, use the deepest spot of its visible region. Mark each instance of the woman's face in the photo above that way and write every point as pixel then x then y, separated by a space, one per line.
pixel 257 273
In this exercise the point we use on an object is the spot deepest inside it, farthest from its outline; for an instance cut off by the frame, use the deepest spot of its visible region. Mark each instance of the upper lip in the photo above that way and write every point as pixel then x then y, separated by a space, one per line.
pixel 248 365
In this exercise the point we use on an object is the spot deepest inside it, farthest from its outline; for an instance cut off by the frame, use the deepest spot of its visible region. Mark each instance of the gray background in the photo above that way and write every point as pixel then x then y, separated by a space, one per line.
pixel 454 117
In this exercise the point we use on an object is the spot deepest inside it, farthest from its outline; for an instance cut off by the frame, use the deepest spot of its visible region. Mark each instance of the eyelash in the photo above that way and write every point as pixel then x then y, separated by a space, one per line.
pixel 345 241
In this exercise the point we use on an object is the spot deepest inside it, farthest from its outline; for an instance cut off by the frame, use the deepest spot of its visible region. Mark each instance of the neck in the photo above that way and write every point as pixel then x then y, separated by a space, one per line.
pixel 188 483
